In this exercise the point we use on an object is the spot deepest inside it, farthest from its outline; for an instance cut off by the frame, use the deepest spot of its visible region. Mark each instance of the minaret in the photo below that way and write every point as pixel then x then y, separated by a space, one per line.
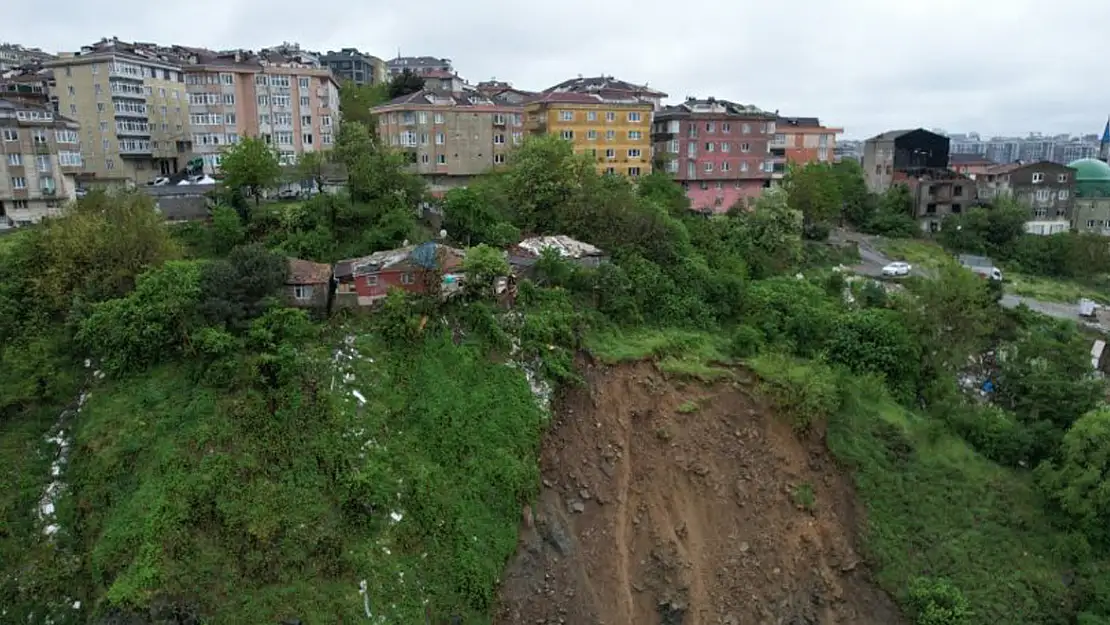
pixel 1104 145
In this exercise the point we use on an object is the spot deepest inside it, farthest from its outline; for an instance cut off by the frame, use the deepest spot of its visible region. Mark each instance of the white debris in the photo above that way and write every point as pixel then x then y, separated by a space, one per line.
pixel 396 516
pixel 359 396
pixel 76 605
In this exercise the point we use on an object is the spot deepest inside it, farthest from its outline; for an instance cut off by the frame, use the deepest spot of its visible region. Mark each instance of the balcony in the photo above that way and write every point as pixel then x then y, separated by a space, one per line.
pixel 131 112
pixel 135 148
pixel 41 147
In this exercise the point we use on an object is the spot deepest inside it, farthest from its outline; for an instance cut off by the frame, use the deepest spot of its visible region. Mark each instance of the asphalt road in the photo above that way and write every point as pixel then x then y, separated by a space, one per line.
pixel 872 262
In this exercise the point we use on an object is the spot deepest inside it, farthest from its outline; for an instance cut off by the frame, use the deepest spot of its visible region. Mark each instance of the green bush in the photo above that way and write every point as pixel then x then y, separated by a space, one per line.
pixel 937 602
pixel 993 432
pixel 746 342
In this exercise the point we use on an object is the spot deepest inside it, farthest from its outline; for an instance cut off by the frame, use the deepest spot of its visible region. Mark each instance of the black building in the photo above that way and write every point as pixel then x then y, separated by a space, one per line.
pixel 902 151
pixel 351 65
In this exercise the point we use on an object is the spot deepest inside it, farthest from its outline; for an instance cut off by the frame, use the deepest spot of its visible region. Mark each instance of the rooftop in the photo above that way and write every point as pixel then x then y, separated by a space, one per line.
pixel 426 97
pixel 564 245
pixel 602 84
pixel 308 272
pixel 713 105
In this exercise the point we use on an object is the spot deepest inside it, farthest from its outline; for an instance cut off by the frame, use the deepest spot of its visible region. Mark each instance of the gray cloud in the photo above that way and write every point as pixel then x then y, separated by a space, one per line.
pixel 996 66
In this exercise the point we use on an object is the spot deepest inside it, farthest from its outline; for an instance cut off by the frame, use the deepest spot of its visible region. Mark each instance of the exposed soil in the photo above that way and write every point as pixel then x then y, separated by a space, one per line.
pixel 677 503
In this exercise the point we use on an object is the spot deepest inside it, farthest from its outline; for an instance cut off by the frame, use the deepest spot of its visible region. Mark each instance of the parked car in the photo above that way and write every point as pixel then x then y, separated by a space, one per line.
pixel 160 181
pixel 288 194
pixel 897 268
pixel 981 266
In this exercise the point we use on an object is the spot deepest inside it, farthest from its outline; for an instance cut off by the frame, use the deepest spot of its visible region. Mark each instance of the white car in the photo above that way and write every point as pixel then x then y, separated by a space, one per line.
pixel 898 268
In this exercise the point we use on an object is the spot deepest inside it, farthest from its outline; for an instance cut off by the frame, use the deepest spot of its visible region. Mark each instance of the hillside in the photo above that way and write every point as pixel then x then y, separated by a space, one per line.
pixel 707 422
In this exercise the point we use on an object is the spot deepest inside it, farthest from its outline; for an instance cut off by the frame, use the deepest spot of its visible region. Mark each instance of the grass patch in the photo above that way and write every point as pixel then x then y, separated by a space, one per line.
pixel 689 406
pixel 935 507
pixel 804 391
pixel 683 353
pixel 915 251
pixel 1050 290
pixel 804 497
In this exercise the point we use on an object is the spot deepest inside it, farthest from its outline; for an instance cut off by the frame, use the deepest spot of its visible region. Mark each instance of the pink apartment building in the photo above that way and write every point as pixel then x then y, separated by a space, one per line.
pixel 718 150
pixel 291 101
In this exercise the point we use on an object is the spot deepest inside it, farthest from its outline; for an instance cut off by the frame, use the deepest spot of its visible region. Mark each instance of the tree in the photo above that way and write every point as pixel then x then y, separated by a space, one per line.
pixel 153 321
pixel 473 215
pixel 544 180
pixel 1078 481
pixel 858 204
pixel 250 164
pixel 355 102
pixel 814 191
pixel 405 83
pixel 242 287
pixel 660 189
pixel 483 265
pixel 775 231
pixel 226 231
pixel 312 166
pixel 893 216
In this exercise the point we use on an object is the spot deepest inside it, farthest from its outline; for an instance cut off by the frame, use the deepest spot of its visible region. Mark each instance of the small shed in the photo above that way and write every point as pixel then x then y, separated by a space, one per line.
pixel 308 285
pixel 523 255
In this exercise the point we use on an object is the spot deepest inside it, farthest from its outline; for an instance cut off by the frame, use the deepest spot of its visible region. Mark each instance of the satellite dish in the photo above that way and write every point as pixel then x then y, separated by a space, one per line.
pixel 442 234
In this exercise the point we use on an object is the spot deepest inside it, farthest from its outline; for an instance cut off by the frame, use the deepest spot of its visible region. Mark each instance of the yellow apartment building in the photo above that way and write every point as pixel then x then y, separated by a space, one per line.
pixel 132 108
pixel 614 129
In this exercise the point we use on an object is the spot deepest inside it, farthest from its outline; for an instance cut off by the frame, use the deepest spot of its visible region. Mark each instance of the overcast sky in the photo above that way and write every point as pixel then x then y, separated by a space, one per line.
pixel 995 66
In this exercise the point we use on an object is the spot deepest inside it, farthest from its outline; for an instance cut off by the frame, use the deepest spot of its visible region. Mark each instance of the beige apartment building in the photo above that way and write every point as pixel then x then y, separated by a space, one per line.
pixel 288 100
pixel 451 137
pixel 131 104
pixel 40 156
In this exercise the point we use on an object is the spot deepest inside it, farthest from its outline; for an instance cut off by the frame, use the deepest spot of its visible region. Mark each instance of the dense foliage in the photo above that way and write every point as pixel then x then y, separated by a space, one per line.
pixel 242 463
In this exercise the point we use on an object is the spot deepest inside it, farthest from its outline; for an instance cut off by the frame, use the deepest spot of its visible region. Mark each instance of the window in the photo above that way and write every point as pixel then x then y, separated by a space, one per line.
pixel 72 91
pixel 263 100
pixel 566 116
pixel 1063 194
pixel 1038 177
pixel 635 135
pixel 634 116
pixel 424 158
pixel 725 166
pixel 610 116
pixel 306 138
pixel 422 117
pixel 499 139
pixel 591 135
pixel 610 153
pixel 568 135
pixel 1090 223
pixel 498 159
pixel 283 138
pixel 438 118
pixel 15 160
pixel 227 79
pixel 302 83
pixel 406 278
pixel 744 166
pixel 229 99
pixel 633 171
pixel 691 149
pixel 325 121
pixel 634 153
pixel 161 92
pixel 610 135
pixel 957 191
pixel 38 136
pixel 42 163
pixel 725 146
pixel 611 171
pixel 306 120
pixel 709 147
pixel 745 147
pixel 726 127
pixel 305 101
pixel 591 116
pixel 325 138
pixel 264 119
pixel 710 127
pixel 73 109
pixel 302 292
pixel 1043 195
pixel 282 100
pixel 109 164
pixel 708 167
pixel 440 138
pixel 10 134
pixel 442 159
pixel 423 138
pixel 518 138
pixel 19 182
pixel 1062 178
pixel 100 107
pixel 745 128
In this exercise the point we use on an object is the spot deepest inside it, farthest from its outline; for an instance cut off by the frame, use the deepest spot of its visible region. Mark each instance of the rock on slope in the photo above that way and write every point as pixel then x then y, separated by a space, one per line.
pixel 676 503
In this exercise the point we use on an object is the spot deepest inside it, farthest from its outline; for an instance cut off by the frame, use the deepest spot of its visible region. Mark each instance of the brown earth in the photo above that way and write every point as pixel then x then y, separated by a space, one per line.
pixel 679 503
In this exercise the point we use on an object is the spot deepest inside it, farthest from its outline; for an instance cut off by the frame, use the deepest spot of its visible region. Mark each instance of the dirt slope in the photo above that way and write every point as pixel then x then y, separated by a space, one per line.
pixel 685 504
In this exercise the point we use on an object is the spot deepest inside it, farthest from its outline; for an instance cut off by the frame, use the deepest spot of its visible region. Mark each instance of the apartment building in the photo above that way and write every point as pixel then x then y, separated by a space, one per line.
pixel 902 152
pixel 419 65
pixel 40 156
pixel 131 104
pixel 718 150
pixel 804 140
pixel 351 65
pixel 289 100
pixel 451 137
pixel 611 126
pixel 13 55
pixel 1046 188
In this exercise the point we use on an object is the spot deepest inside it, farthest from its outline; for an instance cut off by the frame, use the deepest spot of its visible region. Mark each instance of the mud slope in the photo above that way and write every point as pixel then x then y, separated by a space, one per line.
pixel 685 504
